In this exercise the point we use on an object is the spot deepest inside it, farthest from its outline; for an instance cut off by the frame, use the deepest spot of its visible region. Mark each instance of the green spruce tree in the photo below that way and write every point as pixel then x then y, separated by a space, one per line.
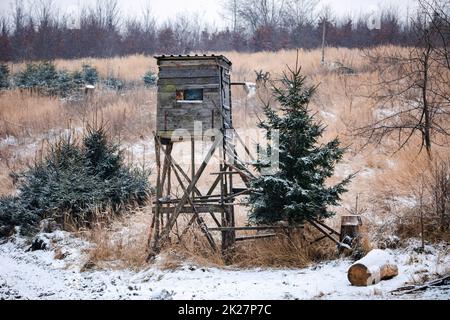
pixel 296 191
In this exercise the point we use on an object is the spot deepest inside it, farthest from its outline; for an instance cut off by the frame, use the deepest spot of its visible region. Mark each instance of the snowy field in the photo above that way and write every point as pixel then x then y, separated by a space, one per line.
pixel 38 275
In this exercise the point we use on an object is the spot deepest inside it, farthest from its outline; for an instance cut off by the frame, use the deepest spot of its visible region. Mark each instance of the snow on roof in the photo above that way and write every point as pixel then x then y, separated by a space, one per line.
pixel 196 56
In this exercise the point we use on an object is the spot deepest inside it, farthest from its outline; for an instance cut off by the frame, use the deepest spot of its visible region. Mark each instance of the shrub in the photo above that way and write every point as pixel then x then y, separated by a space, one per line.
pixel 89 75
pixel 14 213
pixel 73 182
pixel 27 79
pixel 45 79
pixel 42 77
pixel 114 83
pixel 64 84
pixel 4 76
pixel 429 216
pixel 150 79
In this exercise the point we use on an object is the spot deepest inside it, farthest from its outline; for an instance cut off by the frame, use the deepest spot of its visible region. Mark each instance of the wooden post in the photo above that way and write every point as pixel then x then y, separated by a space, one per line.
pixel 324 20
pixel 155 231
pixel 228 235
pixel 168 152
pixel 193 163
pixel 350 229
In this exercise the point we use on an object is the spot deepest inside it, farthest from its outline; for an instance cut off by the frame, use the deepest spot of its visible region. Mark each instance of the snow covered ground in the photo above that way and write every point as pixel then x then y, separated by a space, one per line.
pixel 38 275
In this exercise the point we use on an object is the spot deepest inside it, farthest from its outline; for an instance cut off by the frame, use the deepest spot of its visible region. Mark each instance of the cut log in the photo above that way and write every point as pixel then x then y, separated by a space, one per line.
pixel 371 269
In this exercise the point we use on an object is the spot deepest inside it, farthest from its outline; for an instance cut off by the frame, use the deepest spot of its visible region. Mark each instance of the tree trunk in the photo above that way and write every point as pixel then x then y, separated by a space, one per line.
pixel 371 269
pixel 426 112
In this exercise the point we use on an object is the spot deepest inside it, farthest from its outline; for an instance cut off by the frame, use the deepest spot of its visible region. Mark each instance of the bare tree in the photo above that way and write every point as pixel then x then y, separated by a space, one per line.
pixel 432 191
pixel 108 15
pixel 439 188
pixel 5 44
pixel 412 96
pixel 149 29
pixel 301 12
pixel 186 29
pixel 257 13
pixel 230 12
pixel 148 19
pixel 46 18
pixel 100 30
pixel 438 13
pixel 18 16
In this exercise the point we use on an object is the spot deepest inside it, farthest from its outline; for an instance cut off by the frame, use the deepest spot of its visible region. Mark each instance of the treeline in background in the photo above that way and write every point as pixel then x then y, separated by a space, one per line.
pixel 38 31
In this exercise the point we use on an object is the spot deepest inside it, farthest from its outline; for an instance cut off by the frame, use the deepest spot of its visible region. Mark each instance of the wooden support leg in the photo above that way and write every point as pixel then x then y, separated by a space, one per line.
pixel 196 217
pixel 228 235
pixel 166 167
pixel 176 167
pixel 155 232
pixel 166 176
pixel 164 236
pixel 185 176
pixel 324 232
pixel 244 145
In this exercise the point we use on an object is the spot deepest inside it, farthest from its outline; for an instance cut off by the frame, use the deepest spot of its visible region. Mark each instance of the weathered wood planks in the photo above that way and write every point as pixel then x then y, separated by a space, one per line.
pixel 209 73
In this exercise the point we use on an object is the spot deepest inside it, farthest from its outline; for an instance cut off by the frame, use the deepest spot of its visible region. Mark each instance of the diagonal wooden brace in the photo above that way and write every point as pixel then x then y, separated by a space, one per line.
pixel 196 217
pixel 176 166
pixel 164 236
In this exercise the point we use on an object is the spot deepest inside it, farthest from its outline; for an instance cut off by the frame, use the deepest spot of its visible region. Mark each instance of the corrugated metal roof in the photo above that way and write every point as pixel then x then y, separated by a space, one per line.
pixel 187 57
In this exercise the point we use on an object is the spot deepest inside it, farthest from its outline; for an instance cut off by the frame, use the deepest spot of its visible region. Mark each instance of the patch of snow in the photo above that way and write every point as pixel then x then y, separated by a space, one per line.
pixel 380 114
pixel 327 115
pixel 406 201
pixel 390 163
pixel 368 172
pixel 144 149
pixel 8 141
pixel 55 134
pixel 38 275
pixel 344 170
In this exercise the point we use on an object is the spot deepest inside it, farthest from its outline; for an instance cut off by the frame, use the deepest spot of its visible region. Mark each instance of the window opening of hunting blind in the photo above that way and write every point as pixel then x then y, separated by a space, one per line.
pixel 190 95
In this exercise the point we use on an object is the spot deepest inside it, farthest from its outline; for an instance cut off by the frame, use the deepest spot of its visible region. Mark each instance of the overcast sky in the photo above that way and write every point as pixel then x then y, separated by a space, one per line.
pixel 208 10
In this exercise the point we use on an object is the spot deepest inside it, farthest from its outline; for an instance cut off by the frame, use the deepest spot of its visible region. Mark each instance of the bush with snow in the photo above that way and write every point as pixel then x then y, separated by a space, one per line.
pixel 41 77
pixel 45 79
pixel 72 183
pixel 150 79
pixel 114 83
pixel 89 75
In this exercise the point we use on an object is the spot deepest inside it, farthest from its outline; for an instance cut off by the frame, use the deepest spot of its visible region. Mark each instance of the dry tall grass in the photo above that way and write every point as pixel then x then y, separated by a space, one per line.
pixel 121 243
pixel 340 103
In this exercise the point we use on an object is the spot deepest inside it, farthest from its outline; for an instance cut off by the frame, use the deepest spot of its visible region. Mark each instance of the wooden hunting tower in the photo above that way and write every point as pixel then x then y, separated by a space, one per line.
pixel 194 90
pixel 190 89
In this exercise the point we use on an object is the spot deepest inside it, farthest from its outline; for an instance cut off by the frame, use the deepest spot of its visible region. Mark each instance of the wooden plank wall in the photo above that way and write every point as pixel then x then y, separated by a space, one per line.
pixel 191 74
